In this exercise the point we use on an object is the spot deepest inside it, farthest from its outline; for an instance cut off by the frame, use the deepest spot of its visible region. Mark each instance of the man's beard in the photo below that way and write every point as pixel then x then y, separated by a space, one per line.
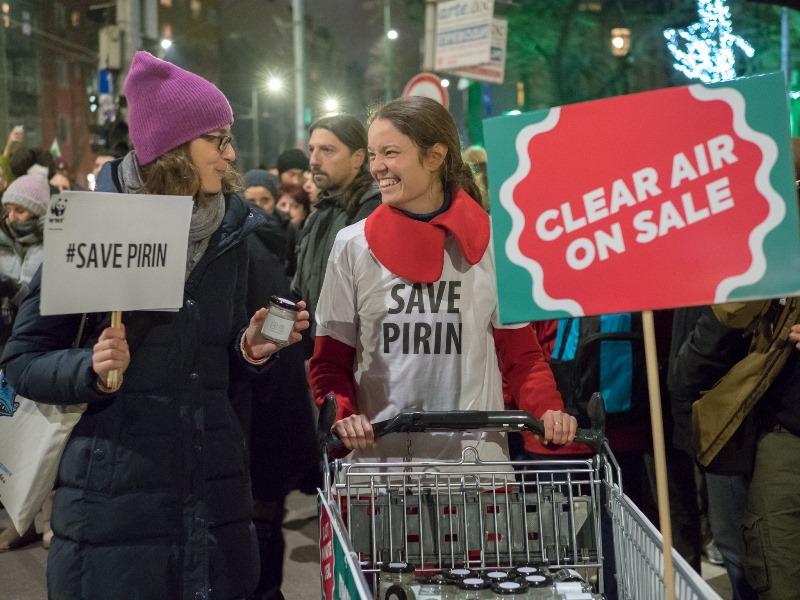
pixel 327 184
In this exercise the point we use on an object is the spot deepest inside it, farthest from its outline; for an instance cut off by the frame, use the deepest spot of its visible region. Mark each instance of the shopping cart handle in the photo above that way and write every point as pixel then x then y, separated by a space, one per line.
pixel 462 420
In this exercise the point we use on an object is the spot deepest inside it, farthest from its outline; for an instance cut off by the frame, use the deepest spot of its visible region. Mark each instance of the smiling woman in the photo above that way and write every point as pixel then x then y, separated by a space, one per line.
pixel 407 317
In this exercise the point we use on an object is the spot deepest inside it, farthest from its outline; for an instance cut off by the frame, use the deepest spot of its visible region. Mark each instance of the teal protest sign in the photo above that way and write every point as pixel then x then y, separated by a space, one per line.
pixel 676 197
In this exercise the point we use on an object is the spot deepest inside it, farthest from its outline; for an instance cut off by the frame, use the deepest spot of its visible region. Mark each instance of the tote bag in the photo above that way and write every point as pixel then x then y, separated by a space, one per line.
pixel 32 438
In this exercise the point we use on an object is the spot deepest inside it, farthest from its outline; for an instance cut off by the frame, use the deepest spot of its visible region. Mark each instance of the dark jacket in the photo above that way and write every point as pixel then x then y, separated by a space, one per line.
pixel 722 411
pixel 153 495
pixel 275 410
pixel 316 241
pixel 702 351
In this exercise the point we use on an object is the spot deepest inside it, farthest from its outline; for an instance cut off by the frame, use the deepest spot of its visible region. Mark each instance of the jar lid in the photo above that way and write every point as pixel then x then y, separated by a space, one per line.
pixel 537 581
pixel 283 303
pixel 509 588
pixel 526 570
pixel 459 573
pixel 497 575
pixel 474 583
pixel 397 567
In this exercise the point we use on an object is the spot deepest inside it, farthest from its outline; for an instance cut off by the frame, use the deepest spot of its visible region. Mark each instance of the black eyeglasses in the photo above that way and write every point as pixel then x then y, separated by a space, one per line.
pixel 222 141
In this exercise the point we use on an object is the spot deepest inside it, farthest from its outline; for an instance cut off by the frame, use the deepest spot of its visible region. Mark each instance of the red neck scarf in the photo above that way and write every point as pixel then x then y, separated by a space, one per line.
pixel 414 250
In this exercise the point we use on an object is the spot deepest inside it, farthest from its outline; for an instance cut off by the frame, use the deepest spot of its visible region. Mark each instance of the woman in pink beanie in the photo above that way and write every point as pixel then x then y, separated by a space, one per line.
pixel 153 493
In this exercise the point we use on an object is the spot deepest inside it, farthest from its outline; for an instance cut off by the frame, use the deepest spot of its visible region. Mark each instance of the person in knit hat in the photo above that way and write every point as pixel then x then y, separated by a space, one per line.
pixel 292 163
pixel 261 188
pixel 21 233
pixel 153 495
pixel 21 253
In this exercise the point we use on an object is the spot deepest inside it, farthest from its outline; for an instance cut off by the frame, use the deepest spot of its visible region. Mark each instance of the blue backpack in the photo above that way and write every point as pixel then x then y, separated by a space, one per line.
pixel 601 354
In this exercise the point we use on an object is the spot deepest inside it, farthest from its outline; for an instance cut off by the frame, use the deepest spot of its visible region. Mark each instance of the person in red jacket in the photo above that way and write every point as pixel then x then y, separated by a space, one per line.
pixel 407 317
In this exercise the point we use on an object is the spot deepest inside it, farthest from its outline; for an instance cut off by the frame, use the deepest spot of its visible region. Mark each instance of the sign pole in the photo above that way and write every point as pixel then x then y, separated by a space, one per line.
pixel 116 322
pixel 659 453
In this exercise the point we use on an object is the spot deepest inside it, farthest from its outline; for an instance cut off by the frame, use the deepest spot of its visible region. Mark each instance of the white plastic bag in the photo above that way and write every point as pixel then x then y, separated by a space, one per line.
pixel 32 439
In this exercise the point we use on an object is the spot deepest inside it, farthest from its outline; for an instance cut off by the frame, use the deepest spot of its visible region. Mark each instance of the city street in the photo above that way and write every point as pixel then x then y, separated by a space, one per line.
pixel 22 572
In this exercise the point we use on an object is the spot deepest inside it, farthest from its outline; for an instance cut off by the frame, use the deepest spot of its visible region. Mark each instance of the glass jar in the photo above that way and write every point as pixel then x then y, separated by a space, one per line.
pixel 496 575
pixel 436 587
pixel 398 575
pixel 509 589
pixel 540 587
pixel 475 588
pixel 524 571
pixel 458 573
pixel 279 323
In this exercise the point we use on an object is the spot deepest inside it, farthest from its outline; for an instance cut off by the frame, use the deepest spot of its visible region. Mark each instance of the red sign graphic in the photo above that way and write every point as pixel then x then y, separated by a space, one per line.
pixel 676 191
pixel 326 558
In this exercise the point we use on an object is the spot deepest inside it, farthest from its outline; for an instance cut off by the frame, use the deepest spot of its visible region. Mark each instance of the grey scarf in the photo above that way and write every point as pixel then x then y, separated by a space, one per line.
pixel 207 212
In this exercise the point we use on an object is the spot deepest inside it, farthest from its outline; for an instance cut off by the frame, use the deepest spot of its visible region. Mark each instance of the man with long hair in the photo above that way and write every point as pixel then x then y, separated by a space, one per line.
pixel 339 166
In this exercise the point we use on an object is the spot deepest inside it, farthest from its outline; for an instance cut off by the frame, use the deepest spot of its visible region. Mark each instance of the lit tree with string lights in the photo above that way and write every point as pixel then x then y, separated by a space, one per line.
pixel 705 50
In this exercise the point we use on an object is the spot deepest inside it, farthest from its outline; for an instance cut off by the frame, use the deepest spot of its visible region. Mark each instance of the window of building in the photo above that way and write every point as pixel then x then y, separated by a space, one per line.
pixel 26 23
pixel 167 3
pixel 6 15
pixel 75 18
pixel 59 16
pixel 62 73
pixel 197 8
pixel 63 129
pixel 166 31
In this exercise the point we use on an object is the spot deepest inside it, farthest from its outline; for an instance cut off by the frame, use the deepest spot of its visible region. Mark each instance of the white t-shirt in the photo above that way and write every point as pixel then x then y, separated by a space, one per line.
pixel 419 347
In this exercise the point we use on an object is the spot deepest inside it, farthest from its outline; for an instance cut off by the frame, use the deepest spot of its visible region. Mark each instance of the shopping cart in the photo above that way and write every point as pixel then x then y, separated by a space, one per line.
pixel 487 514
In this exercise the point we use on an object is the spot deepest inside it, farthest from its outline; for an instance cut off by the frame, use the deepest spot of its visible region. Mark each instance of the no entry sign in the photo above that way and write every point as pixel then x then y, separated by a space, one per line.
pixel 429 86
pixel 678 197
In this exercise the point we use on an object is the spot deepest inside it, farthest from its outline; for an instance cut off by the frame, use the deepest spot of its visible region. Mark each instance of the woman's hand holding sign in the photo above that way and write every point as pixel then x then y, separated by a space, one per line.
pixel 259 347
pixel 111 353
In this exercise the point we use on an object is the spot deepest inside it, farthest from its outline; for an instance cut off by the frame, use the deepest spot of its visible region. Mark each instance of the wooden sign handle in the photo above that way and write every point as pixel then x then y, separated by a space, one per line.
pixel 659 454
pixel 113 376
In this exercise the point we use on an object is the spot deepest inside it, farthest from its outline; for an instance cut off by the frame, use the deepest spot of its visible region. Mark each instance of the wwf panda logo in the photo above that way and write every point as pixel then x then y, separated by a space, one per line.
pixel 7 406
pixel 59 207
pixel 8 403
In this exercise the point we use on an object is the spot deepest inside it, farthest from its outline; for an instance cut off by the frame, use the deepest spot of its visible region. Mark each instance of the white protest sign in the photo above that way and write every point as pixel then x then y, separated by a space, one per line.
pixel 463 33
pixel 494 70
pixel 105 252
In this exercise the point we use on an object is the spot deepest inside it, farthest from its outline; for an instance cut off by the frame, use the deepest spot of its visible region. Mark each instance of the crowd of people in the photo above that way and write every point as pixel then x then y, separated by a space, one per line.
pixel 180 470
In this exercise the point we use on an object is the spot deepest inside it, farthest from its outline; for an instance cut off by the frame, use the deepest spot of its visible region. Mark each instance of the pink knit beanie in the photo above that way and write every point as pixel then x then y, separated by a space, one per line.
pixel 31 192
pixel 169 106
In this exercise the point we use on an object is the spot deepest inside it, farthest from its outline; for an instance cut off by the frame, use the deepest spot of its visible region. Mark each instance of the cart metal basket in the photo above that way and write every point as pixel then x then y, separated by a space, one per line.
pixel 482 514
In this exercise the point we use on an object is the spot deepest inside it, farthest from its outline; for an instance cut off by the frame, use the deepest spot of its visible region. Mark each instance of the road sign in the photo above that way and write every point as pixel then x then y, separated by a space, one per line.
pixel 427 85
pixel 463 33
pixel 494 70
pixel 677 197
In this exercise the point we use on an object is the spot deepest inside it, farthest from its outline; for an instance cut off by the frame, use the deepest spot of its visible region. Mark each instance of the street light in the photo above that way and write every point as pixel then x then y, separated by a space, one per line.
pixel 331 104
pixel 275 84
pixel 166 43
pixel 620 41
pixel 392 34
pixel 445 83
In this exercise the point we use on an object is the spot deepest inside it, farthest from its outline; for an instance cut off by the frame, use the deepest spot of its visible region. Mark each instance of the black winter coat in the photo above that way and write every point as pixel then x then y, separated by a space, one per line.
pixel 276 410
pixel 153 494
